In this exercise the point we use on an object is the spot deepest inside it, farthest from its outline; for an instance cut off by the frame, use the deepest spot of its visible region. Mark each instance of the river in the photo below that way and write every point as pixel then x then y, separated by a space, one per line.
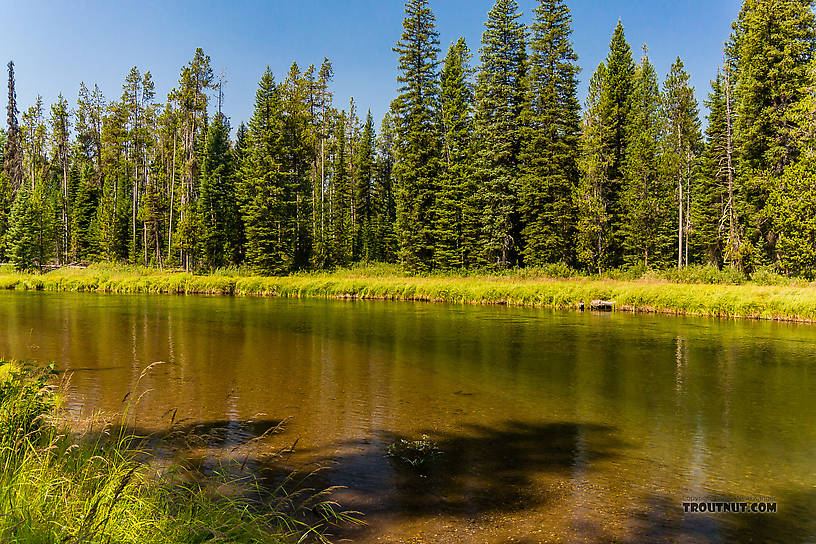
pixel 553 426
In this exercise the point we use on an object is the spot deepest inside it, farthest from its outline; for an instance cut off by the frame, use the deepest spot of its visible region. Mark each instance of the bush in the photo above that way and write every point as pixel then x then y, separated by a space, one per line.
pixel 769 275
pixel 707 274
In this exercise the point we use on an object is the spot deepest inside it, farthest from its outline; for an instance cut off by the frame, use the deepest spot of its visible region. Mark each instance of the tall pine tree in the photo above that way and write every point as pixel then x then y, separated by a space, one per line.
pixel 498 132
pixel 552 124
pixel 417 153
pixel 454 211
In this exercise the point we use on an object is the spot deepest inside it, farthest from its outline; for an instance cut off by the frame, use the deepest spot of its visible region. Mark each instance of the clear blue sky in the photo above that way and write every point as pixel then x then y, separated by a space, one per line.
pixel 57 44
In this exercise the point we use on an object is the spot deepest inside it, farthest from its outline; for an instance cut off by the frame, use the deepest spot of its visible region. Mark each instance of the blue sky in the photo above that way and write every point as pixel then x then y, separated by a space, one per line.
pixel 57 44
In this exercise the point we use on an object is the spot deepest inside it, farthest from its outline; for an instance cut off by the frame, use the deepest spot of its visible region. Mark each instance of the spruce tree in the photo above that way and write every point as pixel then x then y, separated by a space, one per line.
pixel 646 199
pixel 363 187
pixel 454 211
pixel 340 195
pixel 13 154
pixel 792 201
pixel 299 146
pixel 386 244
pixel 615 98
pixel 594 236
pixel 60 133
pixel 773 42
pixel 552 129
pixel 217 211
pixel 85 203
pixel 417 164
pixel 269 220
pixel 498 132
pixel 33 227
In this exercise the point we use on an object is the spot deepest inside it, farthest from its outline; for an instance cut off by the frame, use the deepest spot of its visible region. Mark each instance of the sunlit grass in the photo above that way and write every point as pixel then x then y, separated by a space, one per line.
pixel 694 291
pixel 60 486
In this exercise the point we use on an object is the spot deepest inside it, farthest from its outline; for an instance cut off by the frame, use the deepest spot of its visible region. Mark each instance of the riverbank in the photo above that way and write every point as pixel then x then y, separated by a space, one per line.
pixel 795 302
pixel 61 484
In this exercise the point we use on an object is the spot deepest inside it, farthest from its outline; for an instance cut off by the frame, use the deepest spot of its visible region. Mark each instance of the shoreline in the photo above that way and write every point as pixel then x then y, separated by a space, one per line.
pixel 746 301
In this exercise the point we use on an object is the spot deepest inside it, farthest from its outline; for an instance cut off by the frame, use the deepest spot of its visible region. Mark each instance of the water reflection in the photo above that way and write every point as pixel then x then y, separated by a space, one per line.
pixel 562 425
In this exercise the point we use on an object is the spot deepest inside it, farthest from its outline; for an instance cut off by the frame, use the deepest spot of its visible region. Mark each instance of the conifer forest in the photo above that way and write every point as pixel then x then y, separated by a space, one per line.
pixel 486 158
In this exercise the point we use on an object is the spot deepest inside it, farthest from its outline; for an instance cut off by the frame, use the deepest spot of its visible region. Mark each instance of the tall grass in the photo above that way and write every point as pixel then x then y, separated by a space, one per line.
pixel 693 291
pixel 57 486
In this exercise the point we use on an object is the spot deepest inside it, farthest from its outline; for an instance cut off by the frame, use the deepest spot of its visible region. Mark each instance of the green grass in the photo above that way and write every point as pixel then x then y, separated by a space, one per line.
pixel 695 291
pixel 60 486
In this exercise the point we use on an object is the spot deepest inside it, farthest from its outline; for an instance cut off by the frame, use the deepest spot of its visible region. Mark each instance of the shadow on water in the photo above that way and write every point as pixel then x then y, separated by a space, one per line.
pixel 481 472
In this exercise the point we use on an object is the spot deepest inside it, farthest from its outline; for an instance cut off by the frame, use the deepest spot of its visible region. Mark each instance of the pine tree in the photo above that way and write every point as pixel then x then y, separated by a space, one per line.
pixel 299 145
pixel 33 227
pixel 615 98
pixel 594 236
pixel 453 213
pixel 269 219
pixel 792 201
pixel 646 199
pixel 60 133
pixel 13 155
pixel 773 43
pixel 191 96
pixel 85 202
pixel 683 141
pixel 498 132
pixel 552 119
pixel 217 211
pixel 386 245
pixel 363 190
pixel 417 154
pixel 340 195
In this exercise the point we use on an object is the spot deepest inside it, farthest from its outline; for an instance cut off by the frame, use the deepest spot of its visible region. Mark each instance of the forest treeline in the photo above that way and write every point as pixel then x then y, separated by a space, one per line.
pixel 484 159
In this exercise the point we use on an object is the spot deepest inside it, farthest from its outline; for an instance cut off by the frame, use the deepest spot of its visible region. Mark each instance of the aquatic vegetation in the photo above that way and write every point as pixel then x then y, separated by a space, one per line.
pixel 414 453
pixel 57 485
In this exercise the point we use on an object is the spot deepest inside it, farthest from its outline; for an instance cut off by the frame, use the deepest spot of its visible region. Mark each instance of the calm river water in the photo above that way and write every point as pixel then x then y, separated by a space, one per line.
pixel 554 426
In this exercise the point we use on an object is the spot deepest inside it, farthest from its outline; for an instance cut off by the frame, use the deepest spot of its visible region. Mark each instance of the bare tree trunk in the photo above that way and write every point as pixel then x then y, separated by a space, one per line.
pixel 680 218
pixel 172 197
pixel 733 241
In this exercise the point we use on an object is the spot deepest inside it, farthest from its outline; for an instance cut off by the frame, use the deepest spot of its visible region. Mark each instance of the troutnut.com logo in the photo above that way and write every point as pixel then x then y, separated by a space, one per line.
pixel 739 505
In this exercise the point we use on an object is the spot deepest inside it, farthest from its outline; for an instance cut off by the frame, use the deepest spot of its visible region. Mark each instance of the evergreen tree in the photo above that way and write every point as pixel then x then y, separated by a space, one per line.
pixel 792 201
pixel 299 148
pixel 594 236
pixel 498 132
pixel 417 154
pixel 615 99
pixel 60 133
pixel 12 155
pixel 454 211
pixel 269 220
pixel 217 211
pixel 195 80
pixel 717 201
pixel 646 199
pixel 552 124
pixel 340 242
pixel 386 245
pixel 33 228
pixel 683 141
pixel 363 189
pixel 85 203
pixel 773 43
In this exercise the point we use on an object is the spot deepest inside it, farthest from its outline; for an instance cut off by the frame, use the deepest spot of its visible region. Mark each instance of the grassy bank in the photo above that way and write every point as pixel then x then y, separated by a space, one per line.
pixel 648 293
pixel 60 486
